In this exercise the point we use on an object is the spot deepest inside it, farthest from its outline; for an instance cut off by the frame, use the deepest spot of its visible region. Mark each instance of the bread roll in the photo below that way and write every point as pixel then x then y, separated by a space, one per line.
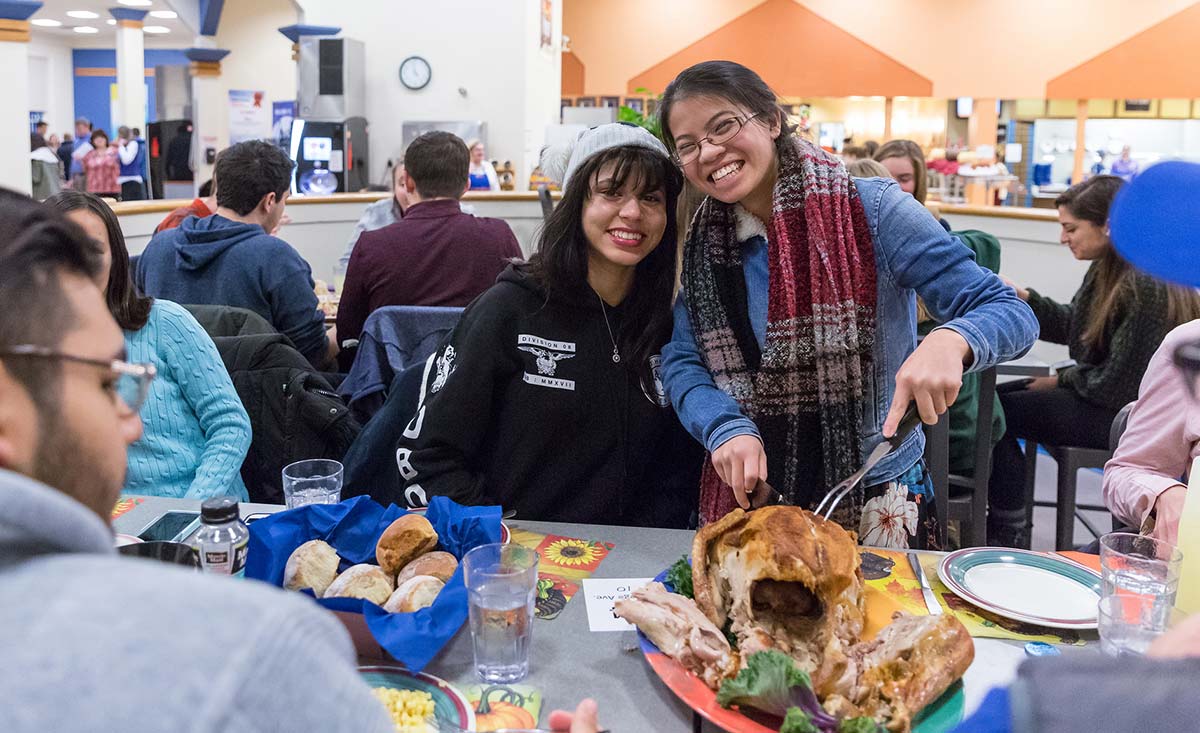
pixel 416 593
pixel 403 541
pixel 368 582
pixel 440 565
pixel 312 565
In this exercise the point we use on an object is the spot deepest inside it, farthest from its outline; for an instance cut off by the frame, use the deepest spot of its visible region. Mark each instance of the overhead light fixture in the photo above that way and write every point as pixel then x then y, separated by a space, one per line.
pixel 111 21
pixel 46 22
pixel 136 3
pixel 156 29
pixel 164 14
pixel 82 14
pixel 85 29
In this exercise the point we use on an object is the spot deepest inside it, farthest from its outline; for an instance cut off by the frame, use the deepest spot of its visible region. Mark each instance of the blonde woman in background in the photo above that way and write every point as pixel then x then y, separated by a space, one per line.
pixel 482 173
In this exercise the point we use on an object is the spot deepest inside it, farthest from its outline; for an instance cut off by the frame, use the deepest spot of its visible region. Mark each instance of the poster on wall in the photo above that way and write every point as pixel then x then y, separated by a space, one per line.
pixel 547 24
pixel 282 114
pixel 249 118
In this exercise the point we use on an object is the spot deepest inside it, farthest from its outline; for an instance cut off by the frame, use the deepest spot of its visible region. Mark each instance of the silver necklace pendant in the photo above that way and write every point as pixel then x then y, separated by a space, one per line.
pixel 616 356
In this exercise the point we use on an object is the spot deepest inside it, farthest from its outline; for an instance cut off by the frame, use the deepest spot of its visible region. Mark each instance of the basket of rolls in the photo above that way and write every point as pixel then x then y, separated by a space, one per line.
pixel 393 577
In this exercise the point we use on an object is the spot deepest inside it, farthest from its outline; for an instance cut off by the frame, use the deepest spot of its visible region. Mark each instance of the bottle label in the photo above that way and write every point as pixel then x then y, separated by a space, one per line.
pixel 226 558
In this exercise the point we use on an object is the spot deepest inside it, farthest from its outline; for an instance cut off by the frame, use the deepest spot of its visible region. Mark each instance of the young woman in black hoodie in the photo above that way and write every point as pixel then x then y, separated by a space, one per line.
pixel 546 398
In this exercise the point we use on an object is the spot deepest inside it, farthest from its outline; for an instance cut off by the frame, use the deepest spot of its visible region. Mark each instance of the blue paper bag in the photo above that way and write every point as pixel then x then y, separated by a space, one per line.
pixel 353 528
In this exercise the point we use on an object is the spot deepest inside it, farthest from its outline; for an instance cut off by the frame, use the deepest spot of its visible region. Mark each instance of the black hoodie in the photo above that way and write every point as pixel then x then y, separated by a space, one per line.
pixel 525 407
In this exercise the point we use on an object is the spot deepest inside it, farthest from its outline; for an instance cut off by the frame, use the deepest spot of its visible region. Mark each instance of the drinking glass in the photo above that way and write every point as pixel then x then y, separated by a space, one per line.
pixel 313 481
pixel 1129 623
pixel 1131 564
pixel 501 589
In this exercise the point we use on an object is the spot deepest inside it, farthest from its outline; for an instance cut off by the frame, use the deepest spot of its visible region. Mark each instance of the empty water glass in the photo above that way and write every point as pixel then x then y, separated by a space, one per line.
pixel 1135 565
pixel 313 481
pixel 1129 623
pixel 501 590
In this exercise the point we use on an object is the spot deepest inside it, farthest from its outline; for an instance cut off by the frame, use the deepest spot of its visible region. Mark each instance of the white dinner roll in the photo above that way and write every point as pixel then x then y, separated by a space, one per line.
pixel 312 565
pixel 368 582
pixel 414 594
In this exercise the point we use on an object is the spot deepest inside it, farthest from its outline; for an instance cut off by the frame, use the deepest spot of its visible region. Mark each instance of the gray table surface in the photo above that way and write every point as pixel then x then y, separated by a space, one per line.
pixel 568 661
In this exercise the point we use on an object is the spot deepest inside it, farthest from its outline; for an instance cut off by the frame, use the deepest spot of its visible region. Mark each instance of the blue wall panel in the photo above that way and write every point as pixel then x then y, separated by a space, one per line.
pixel 93 96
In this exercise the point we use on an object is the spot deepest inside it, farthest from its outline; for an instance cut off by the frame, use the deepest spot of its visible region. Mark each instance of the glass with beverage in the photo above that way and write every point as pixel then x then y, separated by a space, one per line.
pixel 313 481
pixel 501 588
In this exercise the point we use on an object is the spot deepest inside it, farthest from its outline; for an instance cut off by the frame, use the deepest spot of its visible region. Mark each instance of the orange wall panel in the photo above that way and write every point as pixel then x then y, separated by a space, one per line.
pixel 798 53
pixel 572 75
pixel 1162 61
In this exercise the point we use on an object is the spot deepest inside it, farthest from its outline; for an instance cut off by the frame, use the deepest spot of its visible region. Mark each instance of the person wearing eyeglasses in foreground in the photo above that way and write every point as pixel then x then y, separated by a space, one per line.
pixel 794 351
pixel 143 646
pixel 196 432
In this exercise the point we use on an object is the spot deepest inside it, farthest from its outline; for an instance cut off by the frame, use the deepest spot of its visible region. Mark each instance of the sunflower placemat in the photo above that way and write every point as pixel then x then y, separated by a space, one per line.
pixel 124 505
pixel 892 586
pixel 565 561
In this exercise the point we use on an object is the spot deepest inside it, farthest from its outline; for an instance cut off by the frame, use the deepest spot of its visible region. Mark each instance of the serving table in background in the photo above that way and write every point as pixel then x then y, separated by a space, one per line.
pixel 569 662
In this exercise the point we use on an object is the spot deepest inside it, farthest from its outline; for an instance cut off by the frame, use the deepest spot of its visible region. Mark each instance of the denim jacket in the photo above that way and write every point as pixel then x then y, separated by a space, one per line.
pixel 914 256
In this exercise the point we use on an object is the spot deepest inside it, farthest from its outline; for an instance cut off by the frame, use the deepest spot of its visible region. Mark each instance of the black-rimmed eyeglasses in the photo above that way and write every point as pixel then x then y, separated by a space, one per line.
pixel 130 383
pixel 725 130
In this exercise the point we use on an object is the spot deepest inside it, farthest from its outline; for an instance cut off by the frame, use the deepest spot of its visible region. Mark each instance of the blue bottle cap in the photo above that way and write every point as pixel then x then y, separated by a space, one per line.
pixel 1041 649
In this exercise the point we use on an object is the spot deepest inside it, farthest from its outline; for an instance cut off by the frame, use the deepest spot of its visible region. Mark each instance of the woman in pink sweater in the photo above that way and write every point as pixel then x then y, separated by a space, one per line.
pixel 1146 480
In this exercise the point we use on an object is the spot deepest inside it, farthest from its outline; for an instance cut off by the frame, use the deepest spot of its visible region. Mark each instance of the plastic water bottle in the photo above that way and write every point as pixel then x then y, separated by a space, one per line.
pixel 1188 597
pixel 222 539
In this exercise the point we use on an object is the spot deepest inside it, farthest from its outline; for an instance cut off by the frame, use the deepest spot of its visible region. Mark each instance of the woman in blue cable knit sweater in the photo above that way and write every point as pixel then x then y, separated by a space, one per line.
pixel 196 430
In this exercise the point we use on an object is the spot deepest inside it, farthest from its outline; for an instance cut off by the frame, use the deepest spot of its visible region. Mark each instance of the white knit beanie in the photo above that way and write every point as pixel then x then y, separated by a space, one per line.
pixel 559 162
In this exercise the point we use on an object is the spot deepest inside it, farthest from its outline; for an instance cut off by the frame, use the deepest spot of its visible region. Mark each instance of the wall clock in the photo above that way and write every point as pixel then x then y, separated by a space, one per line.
pixel 415 72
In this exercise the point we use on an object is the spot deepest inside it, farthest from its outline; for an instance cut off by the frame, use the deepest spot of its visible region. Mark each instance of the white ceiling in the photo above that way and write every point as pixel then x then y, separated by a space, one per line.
pixel 180 36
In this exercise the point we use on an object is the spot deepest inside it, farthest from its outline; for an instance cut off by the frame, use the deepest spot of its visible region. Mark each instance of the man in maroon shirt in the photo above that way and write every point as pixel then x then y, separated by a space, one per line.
pixel 436 255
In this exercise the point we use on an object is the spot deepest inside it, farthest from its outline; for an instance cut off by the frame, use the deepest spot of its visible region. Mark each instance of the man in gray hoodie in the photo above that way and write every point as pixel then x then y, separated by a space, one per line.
pixel 94 641
pixel 98 642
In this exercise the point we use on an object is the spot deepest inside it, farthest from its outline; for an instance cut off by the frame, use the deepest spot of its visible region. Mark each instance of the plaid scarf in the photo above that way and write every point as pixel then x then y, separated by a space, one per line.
pixel 805 390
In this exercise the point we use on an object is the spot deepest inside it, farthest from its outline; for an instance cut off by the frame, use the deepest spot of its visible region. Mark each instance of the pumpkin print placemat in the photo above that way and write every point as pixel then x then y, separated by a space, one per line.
pixel 565 561
pixel 892 586
pixel 500 707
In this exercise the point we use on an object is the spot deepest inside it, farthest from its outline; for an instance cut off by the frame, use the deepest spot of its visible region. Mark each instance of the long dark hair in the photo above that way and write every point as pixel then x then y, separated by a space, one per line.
pixel 731 81
pixel 560 264
pixel 1090 201
pixel 129 308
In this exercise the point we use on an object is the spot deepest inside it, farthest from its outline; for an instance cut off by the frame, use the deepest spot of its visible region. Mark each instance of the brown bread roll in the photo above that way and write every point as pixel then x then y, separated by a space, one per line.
pixel 368 582
pixel 440 565
pixel 312 565
pixel 416 593
pixel 403 541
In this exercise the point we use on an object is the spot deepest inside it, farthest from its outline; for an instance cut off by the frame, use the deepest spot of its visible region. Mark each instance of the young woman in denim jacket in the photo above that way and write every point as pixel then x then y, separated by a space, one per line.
pixel 794 351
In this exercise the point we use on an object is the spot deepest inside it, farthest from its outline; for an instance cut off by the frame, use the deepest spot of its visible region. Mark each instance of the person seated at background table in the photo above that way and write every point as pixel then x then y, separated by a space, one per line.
pixel 101 168
pixel 196 431
pixel 436 255
pixel 202 206
pixel 230 259
pixel 905 162
pixel 69 404
pixel 783 368
pixel 1145 482
pixel 1112 326
pixel 482 174
pixel 381 213
pixel 546 398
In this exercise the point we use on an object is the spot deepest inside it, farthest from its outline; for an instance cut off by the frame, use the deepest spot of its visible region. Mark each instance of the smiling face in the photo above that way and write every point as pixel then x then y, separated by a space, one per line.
pixel 740 168
pixel 477 153
pixel 622 225
pixel 1086 240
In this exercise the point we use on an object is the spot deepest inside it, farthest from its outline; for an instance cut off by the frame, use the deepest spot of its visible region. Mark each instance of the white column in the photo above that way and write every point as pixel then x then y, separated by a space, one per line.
pixel 210 109
pixel 14 113
pixel 131 69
